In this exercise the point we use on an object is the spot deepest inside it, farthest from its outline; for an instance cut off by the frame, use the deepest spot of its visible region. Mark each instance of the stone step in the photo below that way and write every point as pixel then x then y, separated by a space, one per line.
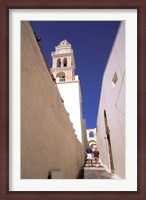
pixel 87 165
pixel 94 165
pixel 92 161
pixel 96 172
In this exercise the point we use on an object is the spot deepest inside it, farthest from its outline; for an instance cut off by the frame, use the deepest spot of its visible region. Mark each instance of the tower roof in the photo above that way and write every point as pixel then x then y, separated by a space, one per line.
pixel 64 43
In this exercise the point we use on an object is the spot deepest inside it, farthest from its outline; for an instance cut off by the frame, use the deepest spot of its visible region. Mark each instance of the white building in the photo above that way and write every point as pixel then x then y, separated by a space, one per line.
pixel 92 137
pixel 111 114
pixel 85 141
pixel 68 84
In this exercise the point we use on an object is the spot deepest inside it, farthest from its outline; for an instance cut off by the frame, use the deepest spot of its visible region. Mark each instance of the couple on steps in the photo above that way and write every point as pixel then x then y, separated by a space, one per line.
pixel 92 154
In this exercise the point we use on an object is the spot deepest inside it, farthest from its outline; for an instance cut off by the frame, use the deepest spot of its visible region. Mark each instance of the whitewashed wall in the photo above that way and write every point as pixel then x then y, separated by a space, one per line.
pixel 112 100
pixel 71 95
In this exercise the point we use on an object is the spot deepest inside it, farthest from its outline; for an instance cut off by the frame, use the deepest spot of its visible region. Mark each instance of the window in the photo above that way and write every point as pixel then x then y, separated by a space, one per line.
pixel 114 79
pixel 65 62
pixel 59 62
pixel 91 134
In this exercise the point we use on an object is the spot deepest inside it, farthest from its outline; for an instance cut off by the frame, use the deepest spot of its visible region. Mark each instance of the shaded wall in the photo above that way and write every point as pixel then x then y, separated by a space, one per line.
pixel 111 115
pixel 48 142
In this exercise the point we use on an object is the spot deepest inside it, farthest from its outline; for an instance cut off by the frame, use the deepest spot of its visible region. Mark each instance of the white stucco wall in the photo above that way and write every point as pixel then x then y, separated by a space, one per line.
pixel 91 140
pixel 85 141
pixel 112 100
pixel 70 93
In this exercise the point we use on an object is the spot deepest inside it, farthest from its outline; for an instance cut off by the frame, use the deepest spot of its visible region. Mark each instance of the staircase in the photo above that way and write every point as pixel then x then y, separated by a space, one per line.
pixel 86 164
pixel 97 171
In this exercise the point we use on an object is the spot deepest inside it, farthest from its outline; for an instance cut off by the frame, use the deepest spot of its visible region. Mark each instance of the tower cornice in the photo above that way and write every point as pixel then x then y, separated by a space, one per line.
pixel 61 54
pixel 62 69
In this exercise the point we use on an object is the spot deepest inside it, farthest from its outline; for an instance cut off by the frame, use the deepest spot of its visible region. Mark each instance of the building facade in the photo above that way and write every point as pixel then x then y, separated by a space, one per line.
pixel 111 114
pixel 69 85
pixel 92 137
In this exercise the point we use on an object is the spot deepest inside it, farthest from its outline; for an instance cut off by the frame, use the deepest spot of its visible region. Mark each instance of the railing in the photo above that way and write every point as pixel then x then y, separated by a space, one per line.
pixel 60 79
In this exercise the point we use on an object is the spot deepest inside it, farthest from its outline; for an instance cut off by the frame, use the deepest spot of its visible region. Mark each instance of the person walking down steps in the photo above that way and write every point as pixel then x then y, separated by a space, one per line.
pixel 89 156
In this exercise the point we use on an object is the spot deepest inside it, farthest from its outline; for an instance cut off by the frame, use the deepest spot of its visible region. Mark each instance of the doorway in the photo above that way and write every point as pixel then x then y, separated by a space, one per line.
pixel 107 131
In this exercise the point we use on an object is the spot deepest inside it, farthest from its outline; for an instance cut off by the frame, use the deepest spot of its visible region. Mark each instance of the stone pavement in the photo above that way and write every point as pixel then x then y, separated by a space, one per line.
pixel 96 172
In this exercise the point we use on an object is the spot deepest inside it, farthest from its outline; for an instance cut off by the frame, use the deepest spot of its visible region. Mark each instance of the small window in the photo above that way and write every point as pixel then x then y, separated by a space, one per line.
pixel 91 134
pixel 114 79
pixel 65 62
pixel 59 62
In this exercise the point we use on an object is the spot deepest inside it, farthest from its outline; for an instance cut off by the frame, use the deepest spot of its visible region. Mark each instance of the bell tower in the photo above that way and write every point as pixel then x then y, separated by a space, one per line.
pixel 63 63
pixel 63 66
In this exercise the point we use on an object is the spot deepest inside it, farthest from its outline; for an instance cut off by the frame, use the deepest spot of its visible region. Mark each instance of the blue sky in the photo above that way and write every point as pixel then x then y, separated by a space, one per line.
pixel 91 42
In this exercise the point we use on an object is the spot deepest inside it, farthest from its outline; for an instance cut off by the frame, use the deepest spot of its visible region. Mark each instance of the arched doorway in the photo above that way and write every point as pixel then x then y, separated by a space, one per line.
pixel 92 143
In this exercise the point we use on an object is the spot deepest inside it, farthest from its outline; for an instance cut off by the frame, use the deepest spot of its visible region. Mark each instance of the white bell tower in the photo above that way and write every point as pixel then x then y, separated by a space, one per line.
pixel 63 66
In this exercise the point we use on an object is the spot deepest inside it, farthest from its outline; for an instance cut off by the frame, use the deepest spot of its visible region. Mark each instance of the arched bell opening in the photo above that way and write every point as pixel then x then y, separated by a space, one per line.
pixel 61 76
pixel 65 62
pixel 58 62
